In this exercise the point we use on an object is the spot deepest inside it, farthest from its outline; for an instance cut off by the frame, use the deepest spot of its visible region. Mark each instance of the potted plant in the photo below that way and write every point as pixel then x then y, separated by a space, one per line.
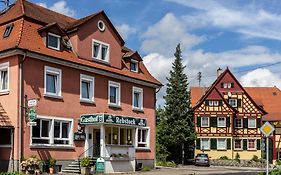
pixel 30 165
pixel 52 164
pixel 85 165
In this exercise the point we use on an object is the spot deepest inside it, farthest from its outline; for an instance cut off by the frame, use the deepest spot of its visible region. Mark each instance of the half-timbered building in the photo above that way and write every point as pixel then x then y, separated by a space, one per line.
pixel 227 119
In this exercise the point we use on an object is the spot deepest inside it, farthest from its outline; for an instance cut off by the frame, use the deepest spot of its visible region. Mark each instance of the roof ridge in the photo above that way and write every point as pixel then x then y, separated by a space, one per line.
pixel 20 33
pixel 22 6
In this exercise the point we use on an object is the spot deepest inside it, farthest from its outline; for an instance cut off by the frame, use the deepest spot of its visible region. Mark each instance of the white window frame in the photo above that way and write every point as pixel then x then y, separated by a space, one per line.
pixel 54 35
pixel 216 103
pixel 137 65
pixel 211 103
pixel 100 50
pixel 4 67
pixel 225 144
pixel 241 143
pixel 58 73
pixel 202 121
pixel 235 122
pixel 228 85
pixel 140 91
pixel 117 85
pixel 51 137
pixel 255 148
pixel 147 138
pixel 254 123
pixel 224 125
pixel 233 100
pixel 90 80
pixel 209 144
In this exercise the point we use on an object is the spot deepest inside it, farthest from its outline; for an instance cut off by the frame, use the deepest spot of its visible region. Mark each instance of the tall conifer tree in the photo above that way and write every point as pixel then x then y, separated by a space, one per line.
pixel 179 129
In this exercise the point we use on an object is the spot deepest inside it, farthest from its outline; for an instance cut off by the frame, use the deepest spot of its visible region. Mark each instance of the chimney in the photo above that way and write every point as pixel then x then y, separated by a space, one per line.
pixel 219 72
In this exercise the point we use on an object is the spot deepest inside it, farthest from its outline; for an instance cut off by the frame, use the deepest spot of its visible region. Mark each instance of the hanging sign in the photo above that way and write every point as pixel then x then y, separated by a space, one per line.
pixel 31 115
pixel 112 119
pixel 32 103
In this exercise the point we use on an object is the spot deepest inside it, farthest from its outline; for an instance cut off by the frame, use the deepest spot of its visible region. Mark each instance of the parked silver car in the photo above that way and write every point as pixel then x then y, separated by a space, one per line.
pixel 202 159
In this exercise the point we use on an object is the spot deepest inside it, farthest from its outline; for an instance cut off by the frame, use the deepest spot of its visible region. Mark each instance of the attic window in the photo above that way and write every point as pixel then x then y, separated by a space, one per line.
pixel 8 30
pixel 134 66
pixel 101 25
pixel 274 93
pixel 53 41
pixel 100 51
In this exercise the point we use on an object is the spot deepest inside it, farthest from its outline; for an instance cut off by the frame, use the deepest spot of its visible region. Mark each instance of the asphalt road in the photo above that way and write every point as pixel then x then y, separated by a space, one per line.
pixel 194 170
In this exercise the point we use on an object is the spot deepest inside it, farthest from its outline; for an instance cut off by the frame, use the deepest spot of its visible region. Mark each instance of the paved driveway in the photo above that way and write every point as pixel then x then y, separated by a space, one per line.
pixel 187 170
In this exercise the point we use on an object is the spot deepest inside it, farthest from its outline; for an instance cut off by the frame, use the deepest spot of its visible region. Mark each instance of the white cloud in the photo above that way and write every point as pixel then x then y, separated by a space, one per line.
pixel 125 30
pixel 166 34
pixel 249 20
pixel 261 78
pixel 60 7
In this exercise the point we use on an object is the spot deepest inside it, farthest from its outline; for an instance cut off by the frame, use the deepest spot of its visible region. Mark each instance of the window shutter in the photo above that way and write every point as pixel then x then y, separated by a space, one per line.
pixel 206 102
pixel 213 143
pixel 239 102
pixel 228 143
pixel 227 121
pixel 232 85
pixel 221 85
pixel 214 122
pixel 244 144
pixel 245 122
pixel 220 103
pixel 258 144
pixel 198 144
pixel 258 122
pixel 198 121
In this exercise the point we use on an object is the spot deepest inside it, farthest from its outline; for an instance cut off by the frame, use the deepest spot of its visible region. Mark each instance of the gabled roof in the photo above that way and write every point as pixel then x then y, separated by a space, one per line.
pixel 28 18
pixel 227 71
pixel 24 8
pixel 221 97
pixel 76 24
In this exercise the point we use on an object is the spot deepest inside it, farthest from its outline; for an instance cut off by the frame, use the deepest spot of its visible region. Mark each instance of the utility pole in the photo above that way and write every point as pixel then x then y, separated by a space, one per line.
pixel 199 76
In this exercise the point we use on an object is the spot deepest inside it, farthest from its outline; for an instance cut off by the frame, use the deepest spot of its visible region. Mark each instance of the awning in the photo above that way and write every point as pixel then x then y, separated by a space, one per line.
pixel 111 119
pixel 5 121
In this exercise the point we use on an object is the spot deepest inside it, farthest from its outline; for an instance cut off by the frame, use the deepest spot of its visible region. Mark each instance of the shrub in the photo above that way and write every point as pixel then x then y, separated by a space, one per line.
pixel 278 162
pixel 224 158
pixel 237 157
pixel 166 163
pixel 255 158
pixel 145 168
pixel 85 162
pixel 52 162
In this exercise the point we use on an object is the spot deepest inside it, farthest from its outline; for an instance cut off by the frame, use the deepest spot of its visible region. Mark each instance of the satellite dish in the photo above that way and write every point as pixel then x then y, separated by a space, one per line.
pixel 66 43
pixel 229 94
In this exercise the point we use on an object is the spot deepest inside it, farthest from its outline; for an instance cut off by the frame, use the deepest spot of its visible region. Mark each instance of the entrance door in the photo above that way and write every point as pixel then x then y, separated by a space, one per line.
pixel 96 143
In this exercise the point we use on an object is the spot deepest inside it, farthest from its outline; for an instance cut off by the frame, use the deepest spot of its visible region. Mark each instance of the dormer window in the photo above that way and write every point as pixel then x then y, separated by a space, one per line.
pixel 100 51
pixel 8 30
pixel 53 41
pixel 134 66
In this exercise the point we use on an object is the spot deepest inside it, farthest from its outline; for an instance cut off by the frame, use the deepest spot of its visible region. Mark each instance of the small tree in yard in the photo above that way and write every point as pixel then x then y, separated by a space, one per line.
pixel 178 122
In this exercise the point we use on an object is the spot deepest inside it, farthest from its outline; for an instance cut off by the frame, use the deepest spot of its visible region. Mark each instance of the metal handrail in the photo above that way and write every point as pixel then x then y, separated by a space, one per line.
pixel 79 157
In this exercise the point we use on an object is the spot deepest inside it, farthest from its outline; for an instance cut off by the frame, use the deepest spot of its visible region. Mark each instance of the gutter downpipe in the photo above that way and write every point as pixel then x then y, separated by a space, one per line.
pixel 20 109
pixel 155 107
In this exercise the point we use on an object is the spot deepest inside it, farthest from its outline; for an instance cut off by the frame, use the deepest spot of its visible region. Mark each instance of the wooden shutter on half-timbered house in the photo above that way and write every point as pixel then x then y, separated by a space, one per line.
pixel 198 121
pixel 206 102
pixel 227 121
pixel 245 147
pixel 258 122
pixel 214 121
pixel 198 143
pixel 228 143
pixel 213 143
pixel 258 144
pixel 245 122
pixel 239 103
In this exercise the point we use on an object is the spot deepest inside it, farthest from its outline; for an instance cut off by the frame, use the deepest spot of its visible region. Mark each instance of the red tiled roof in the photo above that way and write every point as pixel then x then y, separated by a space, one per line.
pixel 5 121
pixel 25 34
pixel 267 97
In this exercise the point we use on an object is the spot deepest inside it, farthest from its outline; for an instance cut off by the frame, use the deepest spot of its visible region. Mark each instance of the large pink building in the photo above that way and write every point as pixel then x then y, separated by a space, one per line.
pixel 92 95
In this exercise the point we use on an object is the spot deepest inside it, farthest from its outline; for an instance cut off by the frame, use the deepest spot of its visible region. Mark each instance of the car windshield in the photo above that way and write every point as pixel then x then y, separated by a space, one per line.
pixel 202 155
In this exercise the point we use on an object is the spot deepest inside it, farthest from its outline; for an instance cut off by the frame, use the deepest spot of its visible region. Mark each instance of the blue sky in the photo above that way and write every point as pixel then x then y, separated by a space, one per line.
pixel 243 35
